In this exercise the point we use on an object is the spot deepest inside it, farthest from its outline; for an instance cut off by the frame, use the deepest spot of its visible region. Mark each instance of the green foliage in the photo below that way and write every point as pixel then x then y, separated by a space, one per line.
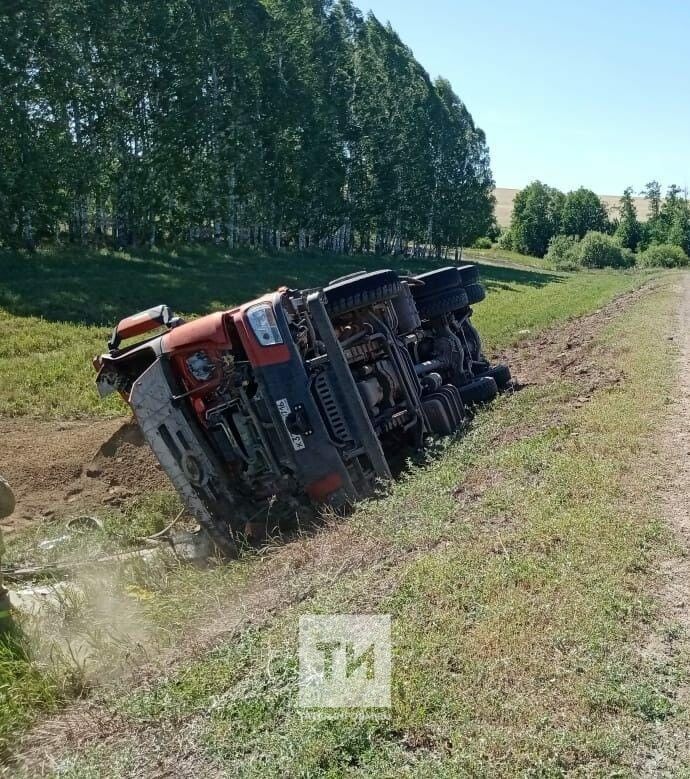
pixel 598 250
pixel 482 243
pixel 260 123
pixel 669 219
pixel 679 230
pixel 536 218
pixel 505 240
pixel 583 212
pixel 564 252
pixel 541 213
pixel 629 230
pixel 24 689
pixel 494 232
pixel 652 192
pixel 663 256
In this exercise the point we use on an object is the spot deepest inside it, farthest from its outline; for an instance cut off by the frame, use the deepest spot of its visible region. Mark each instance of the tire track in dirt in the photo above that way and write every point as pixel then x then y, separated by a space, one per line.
pixel 669 646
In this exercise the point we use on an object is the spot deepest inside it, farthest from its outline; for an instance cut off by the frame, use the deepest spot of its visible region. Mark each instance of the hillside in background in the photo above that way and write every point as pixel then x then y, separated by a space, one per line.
pixel 505 197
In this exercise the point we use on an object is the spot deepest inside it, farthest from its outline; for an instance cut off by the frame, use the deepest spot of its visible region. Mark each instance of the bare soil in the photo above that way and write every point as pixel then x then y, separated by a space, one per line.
pixel 568 352
pixel 62 468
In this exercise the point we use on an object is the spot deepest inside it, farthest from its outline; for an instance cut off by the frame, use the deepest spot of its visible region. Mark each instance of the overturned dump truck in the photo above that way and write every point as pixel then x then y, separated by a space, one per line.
pixel 302 397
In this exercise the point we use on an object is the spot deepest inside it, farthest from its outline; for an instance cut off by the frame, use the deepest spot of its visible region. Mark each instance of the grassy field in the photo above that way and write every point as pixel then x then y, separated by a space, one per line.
pixel 506 258
pixel 517 569
pixel 57 308
pixel 513 566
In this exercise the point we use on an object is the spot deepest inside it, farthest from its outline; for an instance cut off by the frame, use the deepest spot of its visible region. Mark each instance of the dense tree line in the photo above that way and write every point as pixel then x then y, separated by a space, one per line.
pixel 542 214
pixel 261 122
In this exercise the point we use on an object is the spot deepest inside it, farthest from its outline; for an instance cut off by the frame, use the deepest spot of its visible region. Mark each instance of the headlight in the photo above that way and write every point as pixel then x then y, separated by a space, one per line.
pixel 263 322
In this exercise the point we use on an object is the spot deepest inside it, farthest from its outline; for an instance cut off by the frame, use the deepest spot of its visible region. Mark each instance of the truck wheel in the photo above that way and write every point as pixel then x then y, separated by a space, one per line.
pixel 469 274
pixel 442 293
pixel 501 375
pixel 475 293
pixel 442 281
pixel 440 304
pixel 361 291
pixel 482 390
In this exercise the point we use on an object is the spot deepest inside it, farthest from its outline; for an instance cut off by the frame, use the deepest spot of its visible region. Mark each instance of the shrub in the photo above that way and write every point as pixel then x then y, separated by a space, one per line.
pixel 482 243
pixel 598 250
pixel 630 257
pixel 563 252
pixel 505 241
pixel 663 256
pixel 494 232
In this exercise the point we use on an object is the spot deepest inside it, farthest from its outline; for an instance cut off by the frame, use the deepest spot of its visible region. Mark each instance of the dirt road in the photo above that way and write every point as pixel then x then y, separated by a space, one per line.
pixel 669 645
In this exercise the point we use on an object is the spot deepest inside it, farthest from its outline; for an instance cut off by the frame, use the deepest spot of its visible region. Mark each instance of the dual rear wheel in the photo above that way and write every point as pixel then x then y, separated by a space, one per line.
pixel 438 293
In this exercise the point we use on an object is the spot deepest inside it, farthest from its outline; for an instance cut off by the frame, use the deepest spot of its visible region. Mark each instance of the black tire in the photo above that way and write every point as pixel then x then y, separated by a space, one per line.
pixel 437 281
pixel 438 416
pixel 501 375
pixel 469 274
pixel 361 291
pixel 482 390
pixel 443 303
pixel 475 293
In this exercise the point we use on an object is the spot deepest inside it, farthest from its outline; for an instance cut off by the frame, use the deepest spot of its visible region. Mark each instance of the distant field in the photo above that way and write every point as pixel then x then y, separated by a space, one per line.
pixel 505 197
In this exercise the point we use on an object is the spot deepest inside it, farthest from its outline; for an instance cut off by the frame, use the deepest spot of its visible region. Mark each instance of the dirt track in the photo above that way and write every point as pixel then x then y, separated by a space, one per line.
pixel 669 645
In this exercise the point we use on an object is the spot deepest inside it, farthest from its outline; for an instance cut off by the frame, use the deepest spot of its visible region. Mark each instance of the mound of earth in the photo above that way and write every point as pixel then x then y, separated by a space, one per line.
pixel 58 468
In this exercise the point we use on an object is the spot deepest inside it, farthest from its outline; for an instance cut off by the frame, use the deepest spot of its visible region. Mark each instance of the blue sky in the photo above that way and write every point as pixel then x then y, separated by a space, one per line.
pixel 573 93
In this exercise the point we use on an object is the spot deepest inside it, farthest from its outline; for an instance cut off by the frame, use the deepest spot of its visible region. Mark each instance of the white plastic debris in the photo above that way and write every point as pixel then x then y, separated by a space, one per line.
pixel 34 600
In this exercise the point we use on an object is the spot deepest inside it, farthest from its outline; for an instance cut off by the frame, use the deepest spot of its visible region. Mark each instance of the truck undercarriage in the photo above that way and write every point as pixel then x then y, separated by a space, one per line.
pixel 302 397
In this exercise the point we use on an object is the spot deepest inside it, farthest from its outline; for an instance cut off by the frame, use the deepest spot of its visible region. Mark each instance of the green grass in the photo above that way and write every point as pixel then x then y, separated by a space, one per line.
pixel 25 688
pixel 55 312
pixel 517 566
pixel 517 570
pixel 57 307
pixel 503 256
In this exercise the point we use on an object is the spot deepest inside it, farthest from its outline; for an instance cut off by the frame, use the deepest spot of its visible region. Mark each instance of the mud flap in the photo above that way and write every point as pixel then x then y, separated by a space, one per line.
pixel 191 466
